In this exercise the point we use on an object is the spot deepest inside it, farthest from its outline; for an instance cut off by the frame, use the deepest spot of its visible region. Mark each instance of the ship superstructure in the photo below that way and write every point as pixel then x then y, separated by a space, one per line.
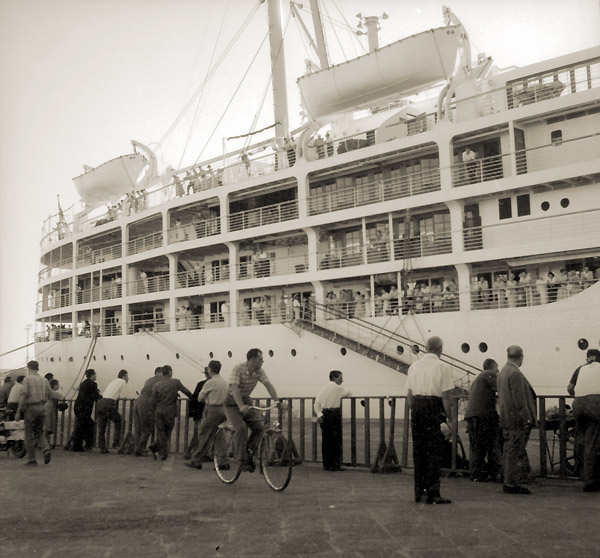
pixel 457 200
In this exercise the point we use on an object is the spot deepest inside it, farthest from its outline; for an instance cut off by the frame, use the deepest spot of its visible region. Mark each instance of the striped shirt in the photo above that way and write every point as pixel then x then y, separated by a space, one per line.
pixel 245 380
pixel 35 389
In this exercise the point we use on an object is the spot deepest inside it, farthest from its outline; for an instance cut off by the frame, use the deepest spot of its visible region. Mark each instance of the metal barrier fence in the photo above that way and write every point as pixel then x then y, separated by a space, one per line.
pixel 376 432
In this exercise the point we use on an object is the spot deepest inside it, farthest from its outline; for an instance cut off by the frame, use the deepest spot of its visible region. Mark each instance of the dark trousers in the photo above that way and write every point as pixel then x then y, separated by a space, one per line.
pixel 143 424
pixel 426 416
pixel 165 420
pixel 514 457
pixel 34 430
pixel 83 433
pixel 212 417
pixel 331 443
pixel 587 412
pixel 483 437
pixel 107 411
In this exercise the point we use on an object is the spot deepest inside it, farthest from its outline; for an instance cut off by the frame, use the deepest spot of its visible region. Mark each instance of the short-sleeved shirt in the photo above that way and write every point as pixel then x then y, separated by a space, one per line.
pixel 241 377
pixel 15 393
pixel 216 390
pixel 588 382
pixel 429 376
pixel 36 389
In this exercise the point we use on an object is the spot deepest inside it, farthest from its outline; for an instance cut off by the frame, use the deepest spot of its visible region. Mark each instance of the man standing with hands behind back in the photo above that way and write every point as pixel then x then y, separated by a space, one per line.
pixel 328 407
pixel 429 385
pixel 516 401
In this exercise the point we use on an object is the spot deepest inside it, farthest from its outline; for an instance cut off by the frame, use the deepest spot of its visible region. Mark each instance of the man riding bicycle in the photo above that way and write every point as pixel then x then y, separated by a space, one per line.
pixel 243 380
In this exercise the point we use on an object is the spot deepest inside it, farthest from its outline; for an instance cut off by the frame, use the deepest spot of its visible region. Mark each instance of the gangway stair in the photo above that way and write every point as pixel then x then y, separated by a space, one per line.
pixel 383 345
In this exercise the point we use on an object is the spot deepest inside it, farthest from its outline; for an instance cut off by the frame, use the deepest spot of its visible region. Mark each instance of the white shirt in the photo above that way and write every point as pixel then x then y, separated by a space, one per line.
pixel 330 397
pixel 588 381
pixel 114 389
pixel 15 393
pixel 429 376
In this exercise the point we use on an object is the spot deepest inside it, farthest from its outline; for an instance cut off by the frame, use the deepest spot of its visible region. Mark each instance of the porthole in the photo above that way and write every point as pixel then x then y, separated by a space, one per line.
pixel 465 347
pixel 271 353
pixel 94 357
pixel 229 354
pixel 70 359
pixel 343 351
pixel 400 349
pixel 211 354
pixel 416 349
pixel 583 344
pixel 565 202
pixel 177 356
pixel 52 359
pixel 59 359
pixel 545 206
pixel 483 347
pixel 122 357
pixel 293 352
pixel 104 357
pixel 147 357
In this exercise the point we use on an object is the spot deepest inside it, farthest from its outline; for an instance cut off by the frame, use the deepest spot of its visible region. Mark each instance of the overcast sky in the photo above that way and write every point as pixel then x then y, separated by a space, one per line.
pixel 81 78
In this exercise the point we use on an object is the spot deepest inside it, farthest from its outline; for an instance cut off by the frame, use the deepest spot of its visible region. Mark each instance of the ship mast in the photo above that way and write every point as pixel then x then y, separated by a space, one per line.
pixel 319 34
pixel 280 102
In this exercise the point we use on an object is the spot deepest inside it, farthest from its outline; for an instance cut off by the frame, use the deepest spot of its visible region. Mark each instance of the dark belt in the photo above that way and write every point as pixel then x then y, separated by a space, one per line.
pixel 426 397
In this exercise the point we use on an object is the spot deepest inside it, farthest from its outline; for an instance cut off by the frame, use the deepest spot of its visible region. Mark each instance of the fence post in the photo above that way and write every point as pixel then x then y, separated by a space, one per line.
pixel 353 431
pixel 405 433
pixel 302 426
pixel 367 404
pixel 562 437
pixel 178 425
pixel 542 437
pixel 314 430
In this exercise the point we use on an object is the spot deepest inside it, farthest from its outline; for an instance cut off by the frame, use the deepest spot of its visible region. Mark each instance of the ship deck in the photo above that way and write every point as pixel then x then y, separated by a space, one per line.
pixel 88 505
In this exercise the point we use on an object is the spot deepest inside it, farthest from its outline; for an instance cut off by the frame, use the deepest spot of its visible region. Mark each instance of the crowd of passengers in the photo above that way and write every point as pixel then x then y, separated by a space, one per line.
pixel 511 290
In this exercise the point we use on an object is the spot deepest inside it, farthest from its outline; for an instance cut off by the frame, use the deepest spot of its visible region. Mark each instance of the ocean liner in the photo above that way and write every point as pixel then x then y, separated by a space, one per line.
pixel 426 192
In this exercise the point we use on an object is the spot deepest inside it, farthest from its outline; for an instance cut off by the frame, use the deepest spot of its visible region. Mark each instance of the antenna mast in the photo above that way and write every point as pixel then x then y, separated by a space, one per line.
pixel 319 35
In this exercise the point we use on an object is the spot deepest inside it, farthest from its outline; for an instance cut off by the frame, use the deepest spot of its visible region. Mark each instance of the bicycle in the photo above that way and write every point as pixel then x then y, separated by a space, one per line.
pixel 275 456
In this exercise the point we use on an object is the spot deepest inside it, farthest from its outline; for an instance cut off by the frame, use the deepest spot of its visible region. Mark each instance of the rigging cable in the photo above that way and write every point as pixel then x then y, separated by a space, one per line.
pixel 231 99
pixel 198 104
pixel 354 34
pixel 335 32
pixel 210 73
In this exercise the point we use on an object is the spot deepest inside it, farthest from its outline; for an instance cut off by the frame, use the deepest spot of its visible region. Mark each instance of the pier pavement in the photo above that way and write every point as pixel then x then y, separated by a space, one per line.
pixel 92 505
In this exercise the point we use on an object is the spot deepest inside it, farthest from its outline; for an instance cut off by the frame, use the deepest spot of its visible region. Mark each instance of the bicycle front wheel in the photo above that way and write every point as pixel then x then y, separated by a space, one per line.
pixel 226 464
pixel 276 460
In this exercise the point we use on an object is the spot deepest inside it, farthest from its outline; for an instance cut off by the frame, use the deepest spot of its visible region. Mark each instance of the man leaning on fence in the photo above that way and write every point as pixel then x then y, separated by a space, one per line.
pixel 518 416
pixel 35 393
pixel 143 414
pixel 482 423
pixel 108 411
pixel 429 386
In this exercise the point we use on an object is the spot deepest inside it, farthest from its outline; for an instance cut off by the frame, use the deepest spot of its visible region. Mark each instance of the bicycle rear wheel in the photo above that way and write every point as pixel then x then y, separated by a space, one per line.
pixel 275 460
pixel 226 464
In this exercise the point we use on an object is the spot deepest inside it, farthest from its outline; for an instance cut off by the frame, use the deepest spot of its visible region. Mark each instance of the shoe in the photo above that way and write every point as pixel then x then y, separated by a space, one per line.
pixel 104 451
pixel 515 490
pixel 164 458
pixel 339 469
pixel 47 457
pixel 437 500
pixel 31 464
pixel 248 467
pixel 154 449
pixel 193 466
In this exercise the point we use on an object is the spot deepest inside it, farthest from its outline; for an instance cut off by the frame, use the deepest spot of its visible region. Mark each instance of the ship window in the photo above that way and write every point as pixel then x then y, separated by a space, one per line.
pixel 556 137
pixel 545 206
pixel 400 349
pixel 523 206
pixel 271 353
pixel 565 203
pixel 416 349
pixel 483 347
pixel 505 208
pixel 293 352
pixel 177 356
pixel 122 357
pixel 465 347
pixel 583 344
pixel 70 359
pixel 147 357
pixel 229 354
pixel 211 354
pixel 343 351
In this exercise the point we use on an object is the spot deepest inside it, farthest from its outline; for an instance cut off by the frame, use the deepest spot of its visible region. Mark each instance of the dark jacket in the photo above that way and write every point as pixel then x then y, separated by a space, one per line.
pixel 516 398
pixel 87 396
pixel 195 407
pixel 482 397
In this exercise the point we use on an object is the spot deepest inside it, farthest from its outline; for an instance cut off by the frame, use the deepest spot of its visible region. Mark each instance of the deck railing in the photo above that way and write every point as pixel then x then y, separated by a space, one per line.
pixel 112 252
pixel 278 265
pixel 371 424
pixel 194 230
pixel 144 243
pixel 52 270
pixel 266 215
pixel 202 276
